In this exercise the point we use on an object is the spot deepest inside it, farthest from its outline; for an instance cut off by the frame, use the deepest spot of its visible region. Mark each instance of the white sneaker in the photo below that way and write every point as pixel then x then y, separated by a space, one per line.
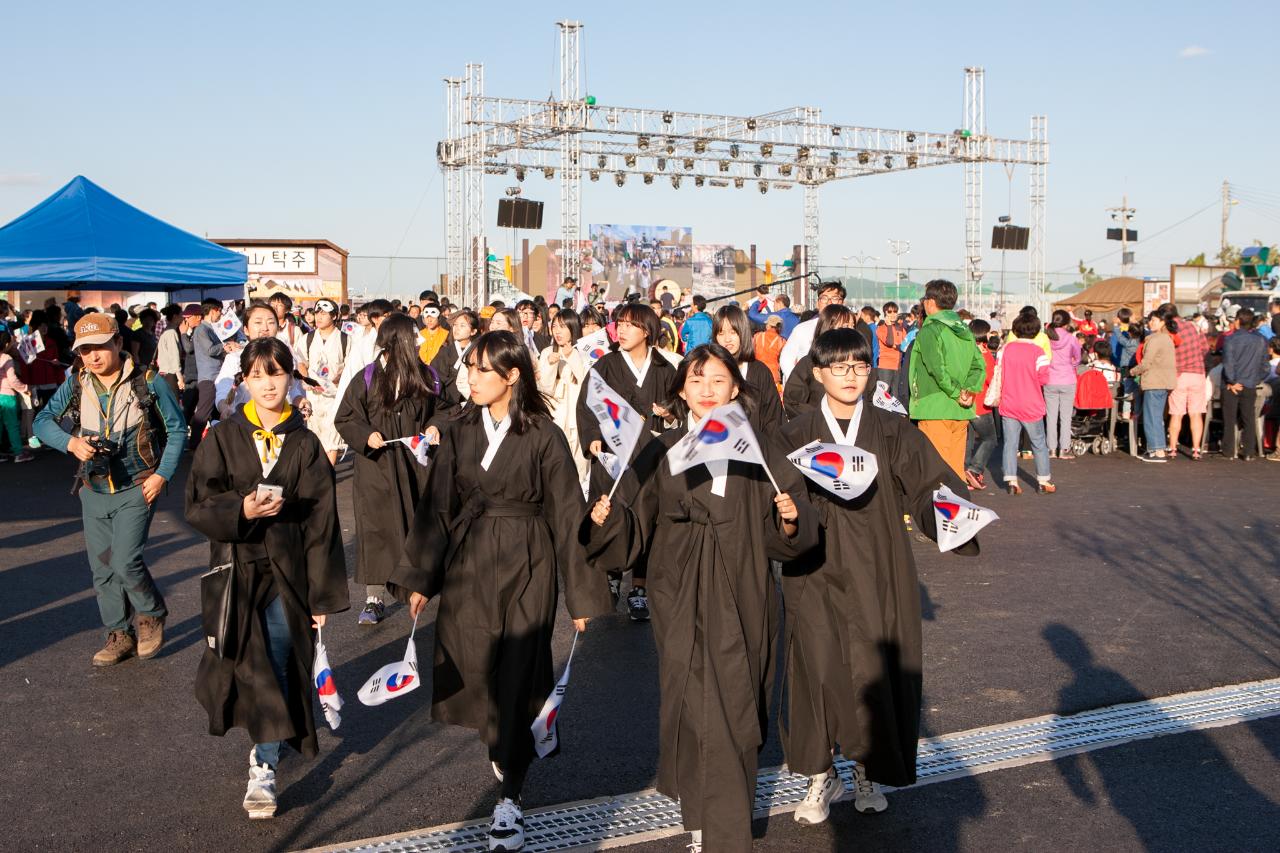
pixel 695 841
pixel 824 789
pixel 506 832
pixel 866 795
pixel 260 797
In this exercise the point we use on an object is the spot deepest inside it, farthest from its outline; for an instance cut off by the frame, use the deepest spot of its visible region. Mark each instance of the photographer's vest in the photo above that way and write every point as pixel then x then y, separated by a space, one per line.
pixel 129 418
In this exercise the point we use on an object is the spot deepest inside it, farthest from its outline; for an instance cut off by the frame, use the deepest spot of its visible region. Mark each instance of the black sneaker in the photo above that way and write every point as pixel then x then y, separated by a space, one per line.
pixel 1151 457
pixel 638 605
pixel 615 590
pixel 374 611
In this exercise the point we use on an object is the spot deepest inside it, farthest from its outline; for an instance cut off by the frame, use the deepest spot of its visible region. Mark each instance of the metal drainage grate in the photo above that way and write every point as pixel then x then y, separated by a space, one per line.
pixel 647 815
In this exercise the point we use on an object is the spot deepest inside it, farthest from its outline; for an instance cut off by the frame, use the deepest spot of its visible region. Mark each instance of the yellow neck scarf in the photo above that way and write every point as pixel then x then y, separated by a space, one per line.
pixel 271 442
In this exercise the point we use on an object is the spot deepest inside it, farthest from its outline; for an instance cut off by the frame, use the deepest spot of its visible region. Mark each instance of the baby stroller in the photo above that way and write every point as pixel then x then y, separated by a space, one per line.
pixel 1093 422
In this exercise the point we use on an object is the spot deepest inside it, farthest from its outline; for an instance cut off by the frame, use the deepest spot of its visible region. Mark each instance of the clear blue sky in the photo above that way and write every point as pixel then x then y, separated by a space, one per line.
pixel 321 118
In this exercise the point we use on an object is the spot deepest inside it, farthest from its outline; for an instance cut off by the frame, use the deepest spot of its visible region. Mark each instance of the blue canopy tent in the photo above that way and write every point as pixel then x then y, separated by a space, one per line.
pixel 84 238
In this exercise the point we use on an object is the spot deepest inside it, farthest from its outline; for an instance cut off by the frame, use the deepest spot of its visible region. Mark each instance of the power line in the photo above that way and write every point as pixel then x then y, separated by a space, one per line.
pixel 1150 237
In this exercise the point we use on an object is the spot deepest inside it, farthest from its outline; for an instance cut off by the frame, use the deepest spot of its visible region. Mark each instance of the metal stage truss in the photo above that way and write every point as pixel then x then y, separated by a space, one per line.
pixel 573 138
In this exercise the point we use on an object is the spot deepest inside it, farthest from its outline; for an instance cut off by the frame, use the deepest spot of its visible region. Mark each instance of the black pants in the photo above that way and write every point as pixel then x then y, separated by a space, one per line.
pixel 1236 407
pixel 204 409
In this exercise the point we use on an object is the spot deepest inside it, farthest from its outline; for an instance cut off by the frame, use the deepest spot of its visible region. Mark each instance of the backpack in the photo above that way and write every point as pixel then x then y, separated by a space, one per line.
pixel 152 419
pixel 311 336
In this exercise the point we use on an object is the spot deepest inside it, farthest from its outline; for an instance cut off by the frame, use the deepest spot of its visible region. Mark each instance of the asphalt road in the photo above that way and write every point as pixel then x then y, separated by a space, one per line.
pixel 1133 581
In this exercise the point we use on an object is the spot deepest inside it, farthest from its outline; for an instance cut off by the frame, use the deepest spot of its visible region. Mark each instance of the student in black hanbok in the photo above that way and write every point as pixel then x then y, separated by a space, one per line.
pixel 642 377
pixel 710 533
pixel 802 393
pixel 288 568
pixel 448 364
pixel 497 523
pixel 733 332
pixel 853 640
pixel 394 397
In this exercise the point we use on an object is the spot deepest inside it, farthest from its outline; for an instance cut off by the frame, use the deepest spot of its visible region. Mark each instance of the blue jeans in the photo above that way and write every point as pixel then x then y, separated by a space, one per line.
pixel 279 645
pixel 1059 403
pixel 1153 406
pixel 1039 449
pixel 982 442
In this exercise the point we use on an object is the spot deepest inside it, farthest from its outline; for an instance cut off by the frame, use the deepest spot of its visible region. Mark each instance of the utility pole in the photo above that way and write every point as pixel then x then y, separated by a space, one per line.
pixel 1227 203
pixel 899 248
pixel 1123 214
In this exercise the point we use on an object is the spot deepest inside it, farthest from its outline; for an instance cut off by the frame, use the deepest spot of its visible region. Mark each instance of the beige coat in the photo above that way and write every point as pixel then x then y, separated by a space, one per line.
pixel 1159 368
pixel 561 383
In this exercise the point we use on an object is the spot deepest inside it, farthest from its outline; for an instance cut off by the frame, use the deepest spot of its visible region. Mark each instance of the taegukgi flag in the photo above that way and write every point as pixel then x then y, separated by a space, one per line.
pixel 545 738
pixel 394 679
pixel 593 346
pixel 958 519
pixel 841 469
pixel 326 687
pixel 227 326
pixel 882 399
pixel 620 425
pixel 419 446
pixel 723 434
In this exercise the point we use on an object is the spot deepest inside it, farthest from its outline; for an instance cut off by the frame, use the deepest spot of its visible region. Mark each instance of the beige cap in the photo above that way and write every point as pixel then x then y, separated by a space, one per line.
pixel 95 328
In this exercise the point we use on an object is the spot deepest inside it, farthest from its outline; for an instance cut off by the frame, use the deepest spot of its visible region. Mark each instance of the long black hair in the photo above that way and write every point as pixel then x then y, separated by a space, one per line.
pixel 268 352
pixel 404 376
pixel 505 352
pixel 695 362
pixel 570 321
pixel 1058 320
pixel 737 320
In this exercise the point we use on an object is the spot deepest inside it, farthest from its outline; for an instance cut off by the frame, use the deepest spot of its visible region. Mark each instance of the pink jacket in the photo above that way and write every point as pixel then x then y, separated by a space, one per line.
pixel 10 384
pixel 1024 371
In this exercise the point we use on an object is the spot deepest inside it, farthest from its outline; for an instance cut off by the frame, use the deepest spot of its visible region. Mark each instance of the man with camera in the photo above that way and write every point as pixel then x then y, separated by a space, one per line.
pixel 128 433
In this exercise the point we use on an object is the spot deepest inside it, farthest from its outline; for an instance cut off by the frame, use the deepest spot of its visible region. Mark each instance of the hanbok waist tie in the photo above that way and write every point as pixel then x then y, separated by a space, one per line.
pixel 478 505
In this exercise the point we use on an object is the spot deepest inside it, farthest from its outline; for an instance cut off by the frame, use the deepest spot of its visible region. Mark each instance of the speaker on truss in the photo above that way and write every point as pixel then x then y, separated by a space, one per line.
pixel 1010 237
pixel 519 213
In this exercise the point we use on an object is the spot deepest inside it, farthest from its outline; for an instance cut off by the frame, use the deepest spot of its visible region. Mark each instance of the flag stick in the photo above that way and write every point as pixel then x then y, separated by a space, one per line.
pixel 614 487
pixel 771 479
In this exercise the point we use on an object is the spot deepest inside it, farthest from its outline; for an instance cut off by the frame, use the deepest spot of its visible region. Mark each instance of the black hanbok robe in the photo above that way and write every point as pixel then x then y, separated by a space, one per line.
pixel 388 481
pixel 766 405
pixel 715 617
pixel 641 397
pixel 296 555
pixel 447 367
pixel 853 638
pixel 490 544
pixel 802 393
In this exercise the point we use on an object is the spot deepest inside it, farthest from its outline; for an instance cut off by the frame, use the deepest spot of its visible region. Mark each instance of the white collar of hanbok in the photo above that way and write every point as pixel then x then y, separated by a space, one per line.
pixel 718 468
pixel 743 366
pixel 495 433
pixel 847 438
pixel 638 372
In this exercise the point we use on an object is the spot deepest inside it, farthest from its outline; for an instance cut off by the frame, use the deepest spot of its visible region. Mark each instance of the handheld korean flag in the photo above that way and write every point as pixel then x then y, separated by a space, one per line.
pixel 611 463
pixel 326 687
pixel 29 346
pixel 545 739
pixel 843 470
pixel 227 326
pixel 394 679
pixel 958 519
pixel 349 327
pixel 884 400
pixel 620 425
pixel 419 446
pixel 593 346
pixel 723 434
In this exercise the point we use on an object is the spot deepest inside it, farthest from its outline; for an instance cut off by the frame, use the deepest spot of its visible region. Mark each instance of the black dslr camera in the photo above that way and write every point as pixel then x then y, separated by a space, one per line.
pixel 100 464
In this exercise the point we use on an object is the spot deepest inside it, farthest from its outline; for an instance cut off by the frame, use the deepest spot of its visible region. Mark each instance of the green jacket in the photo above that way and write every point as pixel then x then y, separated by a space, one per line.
pixel 944 361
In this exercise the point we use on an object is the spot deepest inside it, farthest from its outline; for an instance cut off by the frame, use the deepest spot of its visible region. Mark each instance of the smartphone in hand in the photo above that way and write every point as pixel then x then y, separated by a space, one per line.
pixel 266 491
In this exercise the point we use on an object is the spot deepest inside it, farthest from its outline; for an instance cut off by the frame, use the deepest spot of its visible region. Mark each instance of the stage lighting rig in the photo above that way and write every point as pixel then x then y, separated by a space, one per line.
pixel 548 172
pixel 648 178
pixel 764 187
pixel 642 143
pixel 620 178
pixel 734 150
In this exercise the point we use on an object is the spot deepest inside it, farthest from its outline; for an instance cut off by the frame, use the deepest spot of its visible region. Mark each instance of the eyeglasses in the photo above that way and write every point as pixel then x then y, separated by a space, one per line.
pixel 842 368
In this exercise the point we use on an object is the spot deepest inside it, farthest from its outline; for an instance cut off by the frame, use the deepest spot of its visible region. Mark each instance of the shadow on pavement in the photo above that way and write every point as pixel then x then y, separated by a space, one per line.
pixel 1158 814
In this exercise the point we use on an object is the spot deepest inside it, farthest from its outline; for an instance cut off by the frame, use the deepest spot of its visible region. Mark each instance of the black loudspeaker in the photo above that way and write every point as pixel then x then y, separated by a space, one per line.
pixel 1114 234
pixel 519 213
pixel 1011 237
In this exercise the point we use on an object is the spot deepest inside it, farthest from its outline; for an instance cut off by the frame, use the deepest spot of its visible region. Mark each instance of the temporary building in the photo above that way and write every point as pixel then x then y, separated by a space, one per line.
pixel 1105 298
